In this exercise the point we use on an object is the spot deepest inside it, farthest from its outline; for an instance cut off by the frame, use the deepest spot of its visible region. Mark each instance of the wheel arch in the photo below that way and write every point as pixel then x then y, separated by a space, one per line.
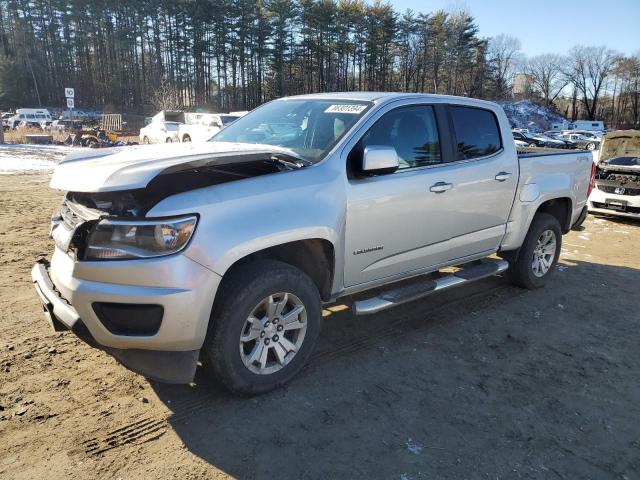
pixel 561 208
pixel 314 256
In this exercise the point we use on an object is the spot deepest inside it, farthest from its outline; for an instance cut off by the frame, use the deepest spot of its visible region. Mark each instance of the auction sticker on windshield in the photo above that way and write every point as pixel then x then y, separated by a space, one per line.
pixel 348 108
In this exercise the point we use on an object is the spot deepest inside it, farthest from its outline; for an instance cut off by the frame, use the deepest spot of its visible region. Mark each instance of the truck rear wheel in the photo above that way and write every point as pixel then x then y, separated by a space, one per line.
pixel 539 253
pixel 264 326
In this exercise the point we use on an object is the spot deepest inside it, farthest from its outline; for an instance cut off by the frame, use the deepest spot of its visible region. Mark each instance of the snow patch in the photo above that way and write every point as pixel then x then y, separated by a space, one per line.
pixel 30 158
pixel 528 114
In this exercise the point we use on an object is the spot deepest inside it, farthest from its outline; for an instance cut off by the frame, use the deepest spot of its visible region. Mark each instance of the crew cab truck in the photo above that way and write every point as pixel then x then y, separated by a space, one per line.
pixel 226 251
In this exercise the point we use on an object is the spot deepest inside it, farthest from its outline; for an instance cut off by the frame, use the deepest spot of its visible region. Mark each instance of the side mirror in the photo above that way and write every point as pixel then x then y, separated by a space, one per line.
pixel 215 124
pixel 379 159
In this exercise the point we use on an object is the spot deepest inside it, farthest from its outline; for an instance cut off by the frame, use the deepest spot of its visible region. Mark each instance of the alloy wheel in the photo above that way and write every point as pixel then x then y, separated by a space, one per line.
pixel 544 253
pixel 273 333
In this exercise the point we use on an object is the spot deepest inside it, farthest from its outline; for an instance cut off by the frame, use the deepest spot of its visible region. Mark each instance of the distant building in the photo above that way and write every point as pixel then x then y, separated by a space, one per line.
pixel 522 84
pixel 593 125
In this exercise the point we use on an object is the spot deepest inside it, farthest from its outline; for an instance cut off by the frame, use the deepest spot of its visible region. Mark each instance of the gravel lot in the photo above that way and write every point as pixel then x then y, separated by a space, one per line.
pixel 487 381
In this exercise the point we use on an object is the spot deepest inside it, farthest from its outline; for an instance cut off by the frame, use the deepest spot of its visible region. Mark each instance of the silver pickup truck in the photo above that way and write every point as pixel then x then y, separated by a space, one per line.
pixel 225 252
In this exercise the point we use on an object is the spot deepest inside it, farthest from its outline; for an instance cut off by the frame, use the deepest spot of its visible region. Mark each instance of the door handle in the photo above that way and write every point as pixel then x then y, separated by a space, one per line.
pixel 502 176
pixel 440 187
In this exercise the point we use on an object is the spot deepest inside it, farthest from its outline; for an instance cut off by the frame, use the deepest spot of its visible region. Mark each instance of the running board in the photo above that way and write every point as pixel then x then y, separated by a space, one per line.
pixel 422 288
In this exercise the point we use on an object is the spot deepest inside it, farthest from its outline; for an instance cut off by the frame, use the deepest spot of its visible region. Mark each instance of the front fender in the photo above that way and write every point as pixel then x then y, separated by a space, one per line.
pixel 244 217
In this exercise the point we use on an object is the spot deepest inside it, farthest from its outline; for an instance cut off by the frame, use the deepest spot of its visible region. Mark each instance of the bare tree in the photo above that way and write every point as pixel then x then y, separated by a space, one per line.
pixel 503 56
pixel 589 68
pixel 547 75
pixel 165 97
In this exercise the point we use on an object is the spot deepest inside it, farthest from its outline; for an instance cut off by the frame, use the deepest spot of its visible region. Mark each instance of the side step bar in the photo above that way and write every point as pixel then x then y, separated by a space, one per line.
pixel 422 288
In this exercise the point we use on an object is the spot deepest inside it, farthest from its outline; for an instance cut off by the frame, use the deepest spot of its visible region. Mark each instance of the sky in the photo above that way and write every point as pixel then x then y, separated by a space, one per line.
pixel 549 26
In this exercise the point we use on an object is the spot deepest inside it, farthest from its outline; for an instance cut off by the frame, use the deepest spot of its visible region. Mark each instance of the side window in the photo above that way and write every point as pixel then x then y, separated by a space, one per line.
pixel 476 131
pixel 412 131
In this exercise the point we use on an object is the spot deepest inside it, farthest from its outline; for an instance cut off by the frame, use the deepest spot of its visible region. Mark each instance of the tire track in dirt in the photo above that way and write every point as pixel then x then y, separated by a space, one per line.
pixel 142 430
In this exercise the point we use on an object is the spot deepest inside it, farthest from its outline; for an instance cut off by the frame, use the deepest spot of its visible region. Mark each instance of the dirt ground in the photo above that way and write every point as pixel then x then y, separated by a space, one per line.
pixel 487 381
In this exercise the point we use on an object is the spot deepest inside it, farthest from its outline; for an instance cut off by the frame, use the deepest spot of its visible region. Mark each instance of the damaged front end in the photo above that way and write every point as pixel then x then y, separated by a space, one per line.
pixel 82 213
pixel 617 182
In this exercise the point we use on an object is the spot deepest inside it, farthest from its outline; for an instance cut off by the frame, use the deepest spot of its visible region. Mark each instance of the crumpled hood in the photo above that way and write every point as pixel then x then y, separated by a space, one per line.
pixel 132 167
pixel 621 143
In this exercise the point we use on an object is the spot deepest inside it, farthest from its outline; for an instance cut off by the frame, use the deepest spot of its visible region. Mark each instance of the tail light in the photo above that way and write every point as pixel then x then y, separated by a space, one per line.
pixel 592 180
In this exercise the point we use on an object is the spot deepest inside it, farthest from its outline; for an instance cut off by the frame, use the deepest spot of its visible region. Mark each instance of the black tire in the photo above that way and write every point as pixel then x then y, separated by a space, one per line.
pixel 240 293
pixel 169 140
pixel 532 144
pixel 145 140
pixel 591 146
pixel 186 138
pixel 521 271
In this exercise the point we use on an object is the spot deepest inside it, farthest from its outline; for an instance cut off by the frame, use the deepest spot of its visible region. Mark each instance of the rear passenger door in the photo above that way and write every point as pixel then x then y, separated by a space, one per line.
pixel 484 175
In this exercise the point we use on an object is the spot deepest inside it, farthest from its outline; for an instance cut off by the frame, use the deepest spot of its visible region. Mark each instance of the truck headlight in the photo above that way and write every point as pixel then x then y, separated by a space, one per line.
pixel 127 239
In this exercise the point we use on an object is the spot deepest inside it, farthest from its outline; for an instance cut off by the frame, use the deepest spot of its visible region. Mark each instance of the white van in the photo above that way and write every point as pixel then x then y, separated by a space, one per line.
pixel 39 115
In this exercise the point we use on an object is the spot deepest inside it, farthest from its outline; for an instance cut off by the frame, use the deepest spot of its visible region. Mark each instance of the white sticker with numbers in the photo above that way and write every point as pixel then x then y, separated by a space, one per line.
pixel 346 108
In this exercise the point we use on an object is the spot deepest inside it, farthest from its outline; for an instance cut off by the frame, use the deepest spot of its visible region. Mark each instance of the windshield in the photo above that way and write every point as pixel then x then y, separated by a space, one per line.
pixel 308 127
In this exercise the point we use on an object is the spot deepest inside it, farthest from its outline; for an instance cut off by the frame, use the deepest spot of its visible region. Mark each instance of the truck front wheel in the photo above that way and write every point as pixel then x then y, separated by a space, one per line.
pixel 263 328
pixel 539 253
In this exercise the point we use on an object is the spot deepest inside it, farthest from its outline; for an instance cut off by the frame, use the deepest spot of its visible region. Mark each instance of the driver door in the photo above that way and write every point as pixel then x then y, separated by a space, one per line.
pixel 396 223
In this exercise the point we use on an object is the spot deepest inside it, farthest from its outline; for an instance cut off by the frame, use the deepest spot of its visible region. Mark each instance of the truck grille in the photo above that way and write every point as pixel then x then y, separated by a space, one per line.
pixel 626 191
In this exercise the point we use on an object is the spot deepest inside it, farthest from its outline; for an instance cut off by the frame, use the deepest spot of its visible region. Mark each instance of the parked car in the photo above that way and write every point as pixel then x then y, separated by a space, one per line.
pixel 581 141
pixel 5 120
pixel 520 143
pixel 225 251
pixel 617 183
pixel 531 140
pixel 558 136
pixel 592 135
pixel 205 128
pixel 552 142
pixel 160 132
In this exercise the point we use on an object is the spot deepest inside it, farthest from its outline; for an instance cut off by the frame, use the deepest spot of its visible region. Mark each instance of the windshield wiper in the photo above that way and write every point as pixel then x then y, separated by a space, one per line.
pixel 290 163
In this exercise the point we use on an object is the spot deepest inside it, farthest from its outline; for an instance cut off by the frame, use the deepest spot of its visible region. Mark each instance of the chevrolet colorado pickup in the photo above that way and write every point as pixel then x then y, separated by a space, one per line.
pixel 224 252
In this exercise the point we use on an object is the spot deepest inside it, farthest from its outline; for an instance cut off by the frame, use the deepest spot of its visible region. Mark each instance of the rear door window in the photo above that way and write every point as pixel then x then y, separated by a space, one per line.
pixel 477 132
